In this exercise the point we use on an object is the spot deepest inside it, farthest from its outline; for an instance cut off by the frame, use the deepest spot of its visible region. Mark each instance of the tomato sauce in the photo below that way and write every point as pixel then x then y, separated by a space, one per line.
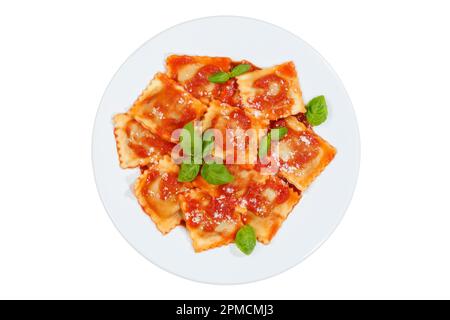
pixel 170 108
pixel 239 120
pixel 143 143
pixel 287 69
pixel 169 186
pixel 168 126
pixel 304 144
pixel 228 93
pixel 280 188
pixel 151 176
pixel 259 166
pixel 305 147
pixel 198 84
pixel 209 212
pixel 302 118
pixel 257 202
pixel 274 97
pixel 279 123
pixel 176 62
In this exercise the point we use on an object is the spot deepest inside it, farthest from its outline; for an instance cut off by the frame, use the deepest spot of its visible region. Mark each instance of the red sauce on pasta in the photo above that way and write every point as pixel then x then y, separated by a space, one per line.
pixel 238 119
pixel 279 123
pixel 168 184
pixel 208 212
pixel 287 69
pixel 304 146
pixel 176 62
pixel 281 188
pixel 274 96
pixel 143 143
pixel 164 104
pixel 228 93
pixel 199 84
pixel 302 118
pixel 256 200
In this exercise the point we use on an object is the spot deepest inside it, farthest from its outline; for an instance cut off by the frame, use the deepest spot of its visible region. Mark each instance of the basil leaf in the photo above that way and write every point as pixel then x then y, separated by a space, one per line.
pixel 274 134
pixel 187 139
pixel 239 69
pixel 191 142
pixel 222 77
pixel 317 111
pixel 219 77
pixel 188 172
pixel 207 147
pixel 246 239
pixel 215 173
pixel 208 142
pixel 264 146
pixel 278 133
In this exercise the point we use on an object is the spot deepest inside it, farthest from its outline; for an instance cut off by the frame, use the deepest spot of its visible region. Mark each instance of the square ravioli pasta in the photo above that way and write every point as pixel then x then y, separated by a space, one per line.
pixel 268 200
pixel 303 155
pixel 263 201
pixel 240 132
pixel 165 106
pixel 272 93
pixel 192 73
pixel 211 220
pixel 157 191
pixel 136 145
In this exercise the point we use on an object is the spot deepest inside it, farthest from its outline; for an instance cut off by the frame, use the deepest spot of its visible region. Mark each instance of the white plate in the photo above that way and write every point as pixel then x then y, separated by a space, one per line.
pixel 312 220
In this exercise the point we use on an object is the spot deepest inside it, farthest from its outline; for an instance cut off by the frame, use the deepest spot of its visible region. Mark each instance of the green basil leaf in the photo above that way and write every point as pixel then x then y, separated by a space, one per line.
pixel 264 146
pixel 217 174
pixel 219 77
pixel 239 69
pixel 191 142
pixel 208 142
pixel 246 239
pixel 187 139
pixel 317 111
pixel 274 134
pixel 188 172
pixel 278 133
pixel 207 147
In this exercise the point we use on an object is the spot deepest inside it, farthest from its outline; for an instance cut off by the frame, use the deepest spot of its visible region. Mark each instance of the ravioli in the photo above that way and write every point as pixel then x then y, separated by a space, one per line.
pixel 272 93
pixel 242 176
pixel 268 202
pixel 165 106
pixel 136 145
pixel 192 73
pixel 157 190
pixel 212 221
pixel 263 201
pixel 240 132
pixel 303 155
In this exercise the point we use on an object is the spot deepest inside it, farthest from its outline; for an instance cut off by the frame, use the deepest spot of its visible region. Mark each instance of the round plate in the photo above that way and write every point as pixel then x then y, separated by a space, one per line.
pixel 323 205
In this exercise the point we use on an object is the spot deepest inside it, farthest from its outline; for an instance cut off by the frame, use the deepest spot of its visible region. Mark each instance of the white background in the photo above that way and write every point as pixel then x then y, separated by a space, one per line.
pixel 56 59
